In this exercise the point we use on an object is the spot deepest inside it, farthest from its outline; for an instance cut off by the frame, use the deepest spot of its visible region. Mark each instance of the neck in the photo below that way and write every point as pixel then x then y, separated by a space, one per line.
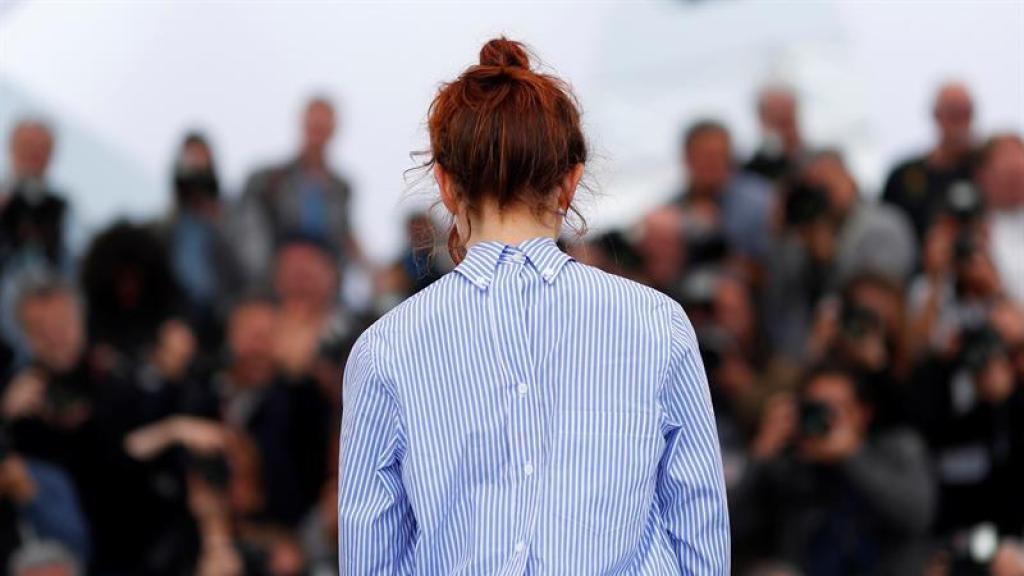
pixel 312 158
pixel 948 153
pixel 511 226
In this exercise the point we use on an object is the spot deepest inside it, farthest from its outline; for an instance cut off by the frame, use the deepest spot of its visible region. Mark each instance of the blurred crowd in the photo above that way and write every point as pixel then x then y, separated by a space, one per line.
pixel 170 391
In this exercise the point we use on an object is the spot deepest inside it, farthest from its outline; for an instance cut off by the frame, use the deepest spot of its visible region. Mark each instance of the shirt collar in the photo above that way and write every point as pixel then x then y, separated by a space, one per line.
pixel 482 259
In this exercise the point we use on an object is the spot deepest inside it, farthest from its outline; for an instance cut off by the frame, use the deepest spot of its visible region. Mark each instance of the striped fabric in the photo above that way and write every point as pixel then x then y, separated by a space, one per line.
pixel 527 414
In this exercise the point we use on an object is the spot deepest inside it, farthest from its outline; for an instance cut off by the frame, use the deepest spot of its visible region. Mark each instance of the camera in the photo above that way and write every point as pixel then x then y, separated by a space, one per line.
pixel 973 549
pixel 965 246
pixel 191 186
pixel 857 322
pixel 980 346
pixel 815 419
pixel 213 469
pixel 5 443
pixel 962 201
pixel 804 204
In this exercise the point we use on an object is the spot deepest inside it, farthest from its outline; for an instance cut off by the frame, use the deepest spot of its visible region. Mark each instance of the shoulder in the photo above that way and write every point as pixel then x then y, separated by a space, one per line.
pixel 631 293
pixel 882 217
pixel 414 312
pixel 652 309
pixel 908 165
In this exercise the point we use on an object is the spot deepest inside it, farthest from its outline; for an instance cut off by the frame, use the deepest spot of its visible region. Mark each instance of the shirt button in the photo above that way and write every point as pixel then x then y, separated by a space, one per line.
pixel 481 280
pixel 548 273
pixel 522 388
pixel 520 547
pixel 517 257
pixel 528 469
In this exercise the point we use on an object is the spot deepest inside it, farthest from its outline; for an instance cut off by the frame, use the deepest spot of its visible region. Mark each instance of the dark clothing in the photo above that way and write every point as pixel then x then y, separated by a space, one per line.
pixel 919 189
pixel 290 200
pixel 205 267
pixel 867 515
pixel 770 166
pixel 137 511
pixel 33 225
pixel 290 422
pixel 979 451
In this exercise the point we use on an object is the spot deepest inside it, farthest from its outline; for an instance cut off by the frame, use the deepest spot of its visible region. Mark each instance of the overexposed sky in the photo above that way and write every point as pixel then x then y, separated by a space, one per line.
pixel 121 82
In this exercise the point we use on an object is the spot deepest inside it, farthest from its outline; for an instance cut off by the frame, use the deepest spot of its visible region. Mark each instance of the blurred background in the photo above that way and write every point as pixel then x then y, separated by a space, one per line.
pixel 202 205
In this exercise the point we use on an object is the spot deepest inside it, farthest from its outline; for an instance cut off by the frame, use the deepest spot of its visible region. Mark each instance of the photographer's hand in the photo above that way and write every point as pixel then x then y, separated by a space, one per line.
pixel 15 481
pixel 175 350
pixel 196 434
pixel 778 427
pixel 25 396
pixel 841 442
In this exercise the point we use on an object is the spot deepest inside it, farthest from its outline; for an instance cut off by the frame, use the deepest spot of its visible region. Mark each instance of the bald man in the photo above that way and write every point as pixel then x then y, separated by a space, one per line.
pixel 781 142
pixel 35 220
pixel 918 186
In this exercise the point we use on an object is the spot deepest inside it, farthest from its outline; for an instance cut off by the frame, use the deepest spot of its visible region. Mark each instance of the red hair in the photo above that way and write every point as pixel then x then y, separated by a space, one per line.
pixel 504 132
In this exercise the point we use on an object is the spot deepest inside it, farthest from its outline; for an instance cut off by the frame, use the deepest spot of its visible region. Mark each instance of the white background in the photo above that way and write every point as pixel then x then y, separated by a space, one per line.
pixel 122 81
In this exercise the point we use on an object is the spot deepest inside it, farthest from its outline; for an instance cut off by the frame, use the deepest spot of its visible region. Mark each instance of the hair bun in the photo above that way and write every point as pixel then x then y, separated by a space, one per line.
pixel 504 53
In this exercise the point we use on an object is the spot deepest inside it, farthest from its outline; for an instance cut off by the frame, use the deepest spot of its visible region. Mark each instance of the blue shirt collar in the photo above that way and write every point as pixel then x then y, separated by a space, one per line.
pixel 482 259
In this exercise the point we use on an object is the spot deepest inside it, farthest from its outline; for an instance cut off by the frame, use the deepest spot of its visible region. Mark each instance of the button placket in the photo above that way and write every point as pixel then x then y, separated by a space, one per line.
pixel 526 424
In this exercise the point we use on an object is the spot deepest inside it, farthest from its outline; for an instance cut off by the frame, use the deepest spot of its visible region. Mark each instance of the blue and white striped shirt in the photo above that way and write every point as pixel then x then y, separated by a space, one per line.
pixel 528 414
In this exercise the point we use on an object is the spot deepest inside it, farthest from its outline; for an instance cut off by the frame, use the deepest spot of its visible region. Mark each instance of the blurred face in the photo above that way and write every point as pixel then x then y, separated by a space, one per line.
pixel 306 276
pixel 883 301
pixel 31 148
pixel 53 330
pixel 995 381
pixel 1002 176
pixel 421 231
pixel 830 173
pixel 709 161
pixel 733 308
pixel 662 246
pixel 778 115
pixel 197 156
pixel 954 110
pixel 317 126
pixel 251 335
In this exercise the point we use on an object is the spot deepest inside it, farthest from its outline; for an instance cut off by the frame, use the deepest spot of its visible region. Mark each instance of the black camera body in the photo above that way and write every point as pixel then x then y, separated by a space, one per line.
pixel 213 469
pixel 816 419
pixel 804 204
pixel 856 321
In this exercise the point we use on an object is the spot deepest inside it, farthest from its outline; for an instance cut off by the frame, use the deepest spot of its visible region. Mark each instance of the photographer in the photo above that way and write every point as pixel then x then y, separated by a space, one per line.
pixel 66 408
pixel 830 491
pixel 225 493
pixel 973 416
pixel 830 235
pixel 34 219
pixel 719 197
pixel 782 144
pixel 916 186
pixel 960 283
pixel 201 258
pixel 269 390
pixel 38 503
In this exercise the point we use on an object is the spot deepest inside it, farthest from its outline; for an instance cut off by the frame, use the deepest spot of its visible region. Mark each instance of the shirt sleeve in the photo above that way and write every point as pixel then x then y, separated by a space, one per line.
pixel 376 525
pixel 690 488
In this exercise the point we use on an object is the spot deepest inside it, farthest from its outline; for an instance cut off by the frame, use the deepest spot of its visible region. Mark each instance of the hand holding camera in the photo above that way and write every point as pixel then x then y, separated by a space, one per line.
pixel 25 395
pixel 827 434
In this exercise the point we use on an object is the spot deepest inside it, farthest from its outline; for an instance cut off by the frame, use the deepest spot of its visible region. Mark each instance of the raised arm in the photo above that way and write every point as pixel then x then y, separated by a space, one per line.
pixel 691 489
pixel 376 526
